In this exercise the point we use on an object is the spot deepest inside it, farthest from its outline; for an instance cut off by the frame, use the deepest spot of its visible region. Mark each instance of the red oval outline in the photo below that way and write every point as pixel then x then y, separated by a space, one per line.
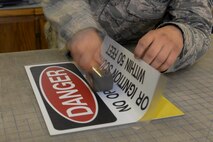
pixel 91 92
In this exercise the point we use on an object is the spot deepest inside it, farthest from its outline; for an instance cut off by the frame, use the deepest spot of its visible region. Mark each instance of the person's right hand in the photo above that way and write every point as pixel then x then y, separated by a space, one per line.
pixel 85 48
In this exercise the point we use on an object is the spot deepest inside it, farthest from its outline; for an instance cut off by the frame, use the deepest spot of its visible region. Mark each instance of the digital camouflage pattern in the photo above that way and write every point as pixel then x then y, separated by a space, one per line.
pixel 129 20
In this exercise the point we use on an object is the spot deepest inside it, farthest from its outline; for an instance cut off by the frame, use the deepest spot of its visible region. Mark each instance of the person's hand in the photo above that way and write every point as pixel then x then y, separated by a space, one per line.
pixel 85 48
pixel 161 47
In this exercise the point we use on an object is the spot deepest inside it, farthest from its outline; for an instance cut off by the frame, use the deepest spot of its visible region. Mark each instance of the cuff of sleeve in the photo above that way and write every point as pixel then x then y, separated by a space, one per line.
pixel 77 24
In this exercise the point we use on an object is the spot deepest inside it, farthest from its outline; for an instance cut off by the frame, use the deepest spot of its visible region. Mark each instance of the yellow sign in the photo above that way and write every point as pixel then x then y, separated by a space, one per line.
pixel 161 109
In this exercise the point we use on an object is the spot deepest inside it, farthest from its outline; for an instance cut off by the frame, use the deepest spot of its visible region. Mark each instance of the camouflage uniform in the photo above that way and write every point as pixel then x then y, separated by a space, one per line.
pixel 129 20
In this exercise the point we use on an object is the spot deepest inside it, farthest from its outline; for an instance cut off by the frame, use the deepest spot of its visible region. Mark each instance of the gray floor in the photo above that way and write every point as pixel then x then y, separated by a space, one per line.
pixel 190 89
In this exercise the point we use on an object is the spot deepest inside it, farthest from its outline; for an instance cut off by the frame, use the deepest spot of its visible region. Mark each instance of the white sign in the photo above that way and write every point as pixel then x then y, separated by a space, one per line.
pixel 68 104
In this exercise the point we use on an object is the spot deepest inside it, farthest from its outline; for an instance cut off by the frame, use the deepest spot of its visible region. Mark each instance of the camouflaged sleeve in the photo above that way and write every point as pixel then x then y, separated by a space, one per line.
pixel 126 20
pixel 69 16
pixel 194 18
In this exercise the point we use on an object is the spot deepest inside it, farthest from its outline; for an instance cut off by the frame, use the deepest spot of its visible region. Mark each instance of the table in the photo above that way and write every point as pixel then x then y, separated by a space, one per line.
pixel 190 89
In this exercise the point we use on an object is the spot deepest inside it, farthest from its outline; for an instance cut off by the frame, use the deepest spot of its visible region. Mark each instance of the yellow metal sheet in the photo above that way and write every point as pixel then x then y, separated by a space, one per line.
pixel 161 108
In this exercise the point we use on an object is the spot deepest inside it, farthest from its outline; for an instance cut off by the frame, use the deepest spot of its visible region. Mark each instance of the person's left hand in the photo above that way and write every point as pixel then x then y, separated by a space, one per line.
pixel 161 47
